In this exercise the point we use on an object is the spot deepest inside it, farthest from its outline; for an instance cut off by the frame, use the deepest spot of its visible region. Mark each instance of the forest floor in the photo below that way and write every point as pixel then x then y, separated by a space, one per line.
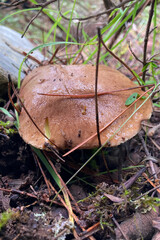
pixel 27 204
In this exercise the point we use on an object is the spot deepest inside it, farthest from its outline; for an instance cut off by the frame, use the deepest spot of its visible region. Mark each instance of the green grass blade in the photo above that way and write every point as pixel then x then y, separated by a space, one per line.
pixel 48 166
pixel 36 48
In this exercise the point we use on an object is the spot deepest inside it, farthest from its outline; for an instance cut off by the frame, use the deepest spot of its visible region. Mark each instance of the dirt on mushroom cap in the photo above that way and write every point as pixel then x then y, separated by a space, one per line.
pixel 71 121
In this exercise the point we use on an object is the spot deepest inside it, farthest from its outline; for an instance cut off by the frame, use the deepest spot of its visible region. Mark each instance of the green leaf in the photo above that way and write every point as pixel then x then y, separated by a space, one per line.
pixel 6 112
pixel 154 65
pixel 131 99
pixel 145 67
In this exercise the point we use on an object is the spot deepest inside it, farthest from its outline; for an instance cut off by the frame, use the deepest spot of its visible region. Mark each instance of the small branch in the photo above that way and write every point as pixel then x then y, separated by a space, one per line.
pixel 42 5
pixel 93 16
pixel 44 176
pixel 121 61
pixel 96 86
pixel 134 54
pixel 152 165
pixel 119 227
pixel 13 4
pixel 146 37
pixel 32 19
pixel 18 192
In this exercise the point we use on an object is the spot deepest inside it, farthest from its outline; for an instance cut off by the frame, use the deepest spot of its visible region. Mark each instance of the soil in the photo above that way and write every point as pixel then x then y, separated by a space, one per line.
pixel 24 191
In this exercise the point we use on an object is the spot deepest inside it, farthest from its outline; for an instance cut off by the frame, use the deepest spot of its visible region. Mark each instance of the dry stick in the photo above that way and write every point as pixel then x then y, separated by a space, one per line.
pixel 148 155
pixel 63 202
pixel 134 54
pixel 18 192
pixel 91 230
pixel 32 58
pixel 54 55
pixel 44 176
pixel 146 37
pixel 121 61
pixel 26 194
pixel 9 95
pixel 146 193
pixel 96 100
pixel 119 227
pixel 158 147
pixel 32 19
pixel 102 129
pixel 42 5
pixel 96 87
pixel 24 53
pixel 92 16
pixel 91 95
pixel 63 184
pixel 15 91
pixel 13 4
pixel 76 59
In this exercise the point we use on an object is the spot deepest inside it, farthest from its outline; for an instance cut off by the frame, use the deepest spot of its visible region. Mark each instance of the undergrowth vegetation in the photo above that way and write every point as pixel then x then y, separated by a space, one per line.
pixel 68 30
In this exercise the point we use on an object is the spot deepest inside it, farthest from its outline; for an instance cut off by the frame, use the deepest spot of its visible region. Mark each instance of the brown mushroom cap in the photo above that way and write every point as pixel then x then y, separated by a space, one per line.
pixel 71 121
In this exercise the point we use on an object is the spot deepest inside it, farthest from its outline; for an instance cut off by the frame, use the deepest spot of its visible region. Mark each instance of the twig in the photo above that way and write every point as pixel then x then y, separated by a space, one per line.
pixel 119 227
pixel 18 192
pixel 96 86
pixel 44 176
pixel 148 155
pixel 42 5
pixel 144 144
pixel 54 55
pixel 146 37
pixel 3 135
pixel 134 54
pixel 65 205
pixel 32 19
pixel 91 230
pixel 146 193
pixel 63 184
pixel 13 4
pixel 92 16
pixel 157 146
pixel 9 94
pixel 120 60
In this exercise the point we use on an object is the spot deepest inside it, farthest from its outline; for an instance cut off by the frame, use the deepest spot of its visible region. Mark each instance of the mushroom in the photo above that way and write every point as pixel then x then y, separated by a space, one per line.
pixel 69 121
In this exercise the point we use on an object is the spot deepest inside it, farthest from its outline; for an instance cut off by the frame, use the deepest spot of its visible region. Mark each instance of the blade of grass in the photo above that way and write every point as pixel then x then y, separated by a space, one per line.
pixel 46 11
pixel 69 26
pixel 18 12
pixel 116 27
pixel 47 165
pixel 36 48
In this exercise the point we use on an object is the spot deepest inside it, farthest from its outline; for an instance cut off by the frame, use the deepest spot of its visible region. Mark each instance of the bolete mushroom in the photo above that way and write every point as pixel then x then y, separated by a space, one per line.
pixel 70 121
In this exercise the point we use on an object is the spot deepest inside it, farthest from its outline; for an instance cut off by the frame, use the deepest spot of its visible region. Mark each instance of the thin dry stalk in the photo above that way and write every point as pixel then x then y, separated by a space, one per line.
pixel 96 87
pixel 147 36
pixel 44 176
pixel 63 184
